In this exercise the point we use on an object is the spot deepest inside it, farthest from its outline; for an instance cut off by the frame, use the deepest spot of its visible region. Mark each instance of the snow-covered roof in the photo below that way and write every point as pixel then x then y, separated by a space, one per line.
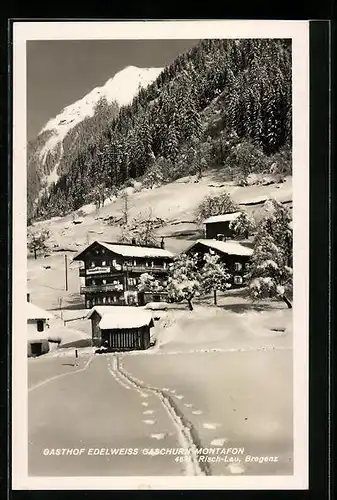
pixel 131 250
pixel 36 312
pixel 228 247
pixel 101 310
pixel 222 218
pixel 137 251
pixel 121 310
pixel 125 317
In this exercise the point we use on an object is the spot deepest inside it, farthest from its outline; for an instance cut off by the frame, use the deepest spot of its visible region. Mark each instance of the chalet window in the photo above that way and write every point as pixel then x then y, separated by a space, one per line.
pixel 114 298
pixel 134 262
pixel 103 262
pixel 103 250
pixel 40 325
pixel 92 264
pixel 238 280
pixel 93 282
pixel 164 264
pixel 114 262
pixel 97 252
pixel 103 282
pixel 152 263
pixel 146 264
pixel 237 266
pixel 99 300
pixel 104 300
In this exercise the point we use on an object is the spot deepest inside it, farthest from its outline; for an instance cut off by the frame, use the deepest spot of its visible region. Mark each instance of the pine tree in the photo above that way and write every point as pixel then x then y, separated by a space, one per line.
pixel 242 225
pixel 270 274
pixel 171 143
pixel 277 224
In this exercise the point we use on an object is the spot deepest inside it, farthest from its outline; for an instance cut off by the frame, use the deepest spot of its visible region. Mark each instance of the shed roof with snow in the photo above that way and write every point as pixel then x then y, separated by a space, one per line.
pixel 36 312
pixel 222 218
pixel 226 247
pixel 125 317
pixel 101 310
pixel 129 250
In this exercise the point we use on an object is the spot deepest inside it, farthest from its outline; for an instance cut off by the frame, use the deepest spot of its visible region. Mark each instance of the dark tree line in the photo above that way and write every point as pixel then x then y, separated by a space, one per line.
pixel 166 121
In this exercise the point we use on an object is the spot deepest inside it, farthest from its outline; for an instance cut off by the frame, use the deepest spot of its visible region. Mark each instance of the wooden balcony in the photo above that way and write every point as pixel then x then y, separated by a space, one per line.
pixel 144 269
pixel 115 271
pixel 101 288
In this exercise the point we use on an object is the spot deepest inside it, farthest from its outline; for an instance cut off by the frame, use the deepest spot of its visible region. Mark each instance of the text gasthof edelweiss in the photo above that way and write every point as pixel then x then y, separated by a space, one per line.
pixel 181 454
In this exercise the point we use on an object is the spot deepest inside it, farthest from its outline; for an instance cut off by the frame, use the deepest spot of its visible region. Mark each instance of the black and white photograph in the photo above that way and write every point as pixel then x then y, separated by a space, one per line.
pixel 160 283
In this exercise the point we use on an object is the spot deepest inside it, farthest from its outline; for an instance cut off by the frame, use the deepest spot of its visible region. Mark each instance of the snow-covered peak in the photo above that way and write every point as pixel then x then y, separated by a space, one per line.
pixel 122 88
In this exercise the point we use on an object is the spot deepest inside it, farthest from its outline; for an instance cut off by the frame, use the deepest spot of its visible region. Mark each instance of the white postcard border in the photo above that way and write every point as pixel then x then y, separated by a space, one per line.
pixel 298 31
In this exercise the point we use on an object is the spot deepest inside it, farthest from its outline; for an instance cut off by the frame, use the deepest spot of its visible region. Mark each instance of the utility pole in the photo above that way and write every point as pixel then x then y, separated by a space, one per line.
pixel 126 284
pixel 66 271
pixel 215 298
pixel 60 307
pixel 126 208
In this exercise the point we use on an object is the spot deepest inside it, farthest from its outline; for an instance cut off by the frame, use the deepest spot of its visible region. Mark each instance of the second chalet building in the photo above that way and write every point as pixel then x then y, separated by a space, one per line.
pixel 218 226
pixel 233 254
pixel 111 272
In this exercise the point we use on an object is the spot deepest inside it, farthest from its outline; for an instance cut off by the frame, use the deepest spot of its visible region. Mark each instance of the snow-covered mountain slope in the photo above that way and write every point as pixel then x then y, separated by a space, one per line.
pixel 122 88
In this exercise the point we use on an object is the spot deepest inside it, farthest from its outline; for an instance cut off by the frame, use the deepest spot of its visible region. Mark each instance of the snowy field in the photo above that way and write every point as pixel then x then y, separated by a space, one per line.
pixel 226 370
pixel 234 399
pixel 175 203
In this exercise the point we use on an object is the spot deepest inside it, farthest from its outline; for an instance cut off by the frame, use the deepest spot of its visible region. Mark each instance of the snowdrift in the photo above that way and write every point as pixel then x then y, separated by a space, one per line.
pixel 69 337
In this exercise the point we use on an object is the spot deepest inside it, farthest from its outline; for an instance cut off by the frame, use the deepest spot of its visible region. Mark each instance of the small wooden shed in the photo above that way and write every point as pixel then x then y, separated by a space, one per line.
pixel 218 226
pixel 121 328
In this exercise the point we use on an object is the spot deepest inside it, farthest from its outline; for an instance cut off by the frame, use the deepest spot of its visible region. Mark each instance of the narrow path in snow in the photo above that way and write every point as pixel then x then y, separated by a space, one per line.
pixel 187 434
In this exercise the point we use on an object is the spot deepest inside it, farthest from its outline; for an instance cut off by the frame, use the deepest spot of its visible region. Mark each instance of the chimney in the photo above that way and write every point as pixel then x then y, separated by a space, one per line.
pixel 162 243
pixel 220 237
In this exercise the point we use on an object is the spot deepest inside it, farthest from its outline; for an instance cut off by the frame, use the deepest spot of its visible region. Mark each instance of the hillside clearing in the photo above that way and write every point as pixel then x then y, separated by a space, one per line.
pixel 176 203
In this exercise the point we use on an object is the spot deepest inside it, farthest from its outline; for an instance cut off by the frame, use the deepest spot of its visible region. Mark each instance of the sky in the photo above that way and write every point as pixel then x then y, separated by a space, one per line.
pixel 60 72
